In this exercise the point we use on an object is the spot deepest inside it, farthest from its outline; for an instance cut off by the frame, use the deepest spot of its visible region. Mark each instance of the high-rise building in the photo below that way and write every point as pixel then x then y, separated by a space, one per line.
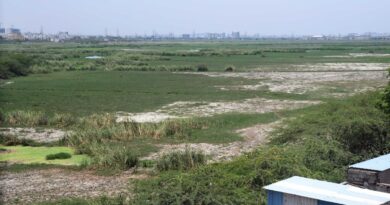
pixel 236 35
pixel 2 30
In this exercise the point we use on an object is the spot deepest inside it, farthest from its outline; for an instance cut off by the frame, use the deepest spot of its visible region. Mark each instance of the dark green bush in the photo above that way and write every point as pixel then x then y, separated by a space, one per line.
pixel 384 102
pixel 202 68
pixel 230 69
pixel 12 65
pixel 364 135
pixel 114 157
pixel 60 155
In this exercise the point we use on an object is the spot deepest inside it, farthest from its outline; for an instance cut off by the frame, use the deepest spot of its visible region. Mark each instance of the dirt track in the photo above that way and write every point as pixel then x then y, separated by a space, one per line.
pixel 253 137
pixel 54 184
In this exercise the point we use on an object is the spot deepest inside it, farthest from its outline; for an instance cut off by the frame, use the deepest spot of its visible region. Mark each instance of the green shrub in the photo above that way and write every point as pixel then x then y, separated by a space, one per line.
pixel 113 157
pixel 181 160
pixel 230 69
pixel 364 135
pixel 25 118
pixel 202 68
pixel 14 65
pixel 60 155
pixel 384 102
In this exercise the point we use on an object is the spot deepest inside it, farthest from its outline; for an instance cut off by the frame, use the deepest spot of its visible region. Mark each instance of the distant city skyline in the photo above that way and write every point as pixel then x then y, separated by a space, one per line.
pixel 277 17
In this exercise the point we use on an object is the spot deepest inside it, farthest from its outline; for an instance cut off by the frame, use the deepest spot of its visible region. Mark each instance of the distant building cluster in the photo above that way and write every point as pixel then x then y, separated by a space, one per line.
pixel 11 34
pixel 59 37
pixel 15 34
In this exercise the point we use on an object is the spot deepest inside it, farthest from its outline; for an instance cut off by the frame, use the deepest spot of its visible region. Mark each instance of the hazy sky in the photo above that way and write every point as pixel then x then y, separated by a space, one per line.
pixel 185 16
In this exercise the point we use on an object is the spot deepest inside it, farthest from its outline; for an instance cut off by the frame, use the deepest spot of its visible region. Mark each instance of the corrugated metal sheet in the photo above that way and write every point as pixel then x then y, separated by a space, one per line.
pixel 290 199
pixel 275 198
pixel 329 192
pixel 380 164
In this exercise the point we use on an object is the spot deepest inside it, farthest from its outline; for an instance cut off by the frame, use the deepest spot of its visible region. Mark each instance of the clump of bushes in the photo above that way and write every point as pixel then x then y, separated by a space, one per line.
pixel 60 155
pixel 202 68
pixel 230 68
pixel 113 157
pixel 181 160
pixel 384 102
pixel 12 65
pixel 28 118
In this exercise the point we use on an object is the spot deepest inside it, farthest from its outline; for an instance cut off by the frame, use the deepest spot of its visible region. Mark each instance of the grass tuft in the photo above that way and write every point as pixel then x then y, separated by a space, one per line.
pixel 181 160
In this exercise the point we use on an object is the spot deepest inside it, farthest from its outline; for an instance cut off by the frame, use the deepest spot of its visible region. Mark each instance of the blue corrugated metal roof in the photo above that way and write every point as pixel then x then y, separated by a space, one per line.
pixel 380 164
pixel 329 192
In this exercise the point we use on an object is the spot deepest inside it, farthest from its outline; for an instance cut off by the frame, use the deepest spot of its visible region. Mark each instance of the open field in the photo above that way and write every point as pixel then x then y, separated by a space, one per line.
pixel 140 102
pixel 176 56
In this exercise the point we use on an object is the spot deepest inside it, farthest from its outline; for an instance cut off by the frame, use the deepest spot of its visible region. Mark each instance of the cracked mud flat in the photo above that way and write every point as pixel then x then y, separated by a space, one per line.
pixel 54 184
pixel 302 82
pixel 253 137
pixel 183 109
pixel 42 136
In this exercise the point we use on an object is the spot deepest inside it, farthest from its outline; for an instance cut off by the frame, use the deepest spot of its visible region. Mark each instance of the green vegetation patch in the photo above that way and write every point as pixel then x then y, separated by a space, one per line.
pixel 319 143
pixel 37 155
pixel 61 155
pixel 86 93
pixel 181 160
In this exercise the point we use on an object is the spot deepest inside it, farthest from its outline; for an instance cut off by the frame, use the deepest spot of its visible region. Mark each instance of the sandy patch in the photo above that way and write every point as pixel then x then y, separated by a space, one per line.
pixel 153 117
pixel 43 135
pixel 253 137
pixel 255 105
pixel 302 82
pixel 184 109
pixel 54 184
pixel 356 55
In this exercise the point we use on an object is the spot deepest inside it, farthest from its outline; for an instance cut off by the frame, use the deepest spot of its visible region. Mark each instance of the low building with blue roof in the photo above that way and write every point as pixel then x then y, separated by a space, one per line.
pixel 304 191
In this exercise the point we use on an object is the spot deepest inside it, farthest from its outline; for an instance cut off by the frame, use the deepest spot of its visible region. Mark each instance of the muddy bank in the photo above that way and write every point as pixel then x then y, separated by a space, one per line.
pixel 36 134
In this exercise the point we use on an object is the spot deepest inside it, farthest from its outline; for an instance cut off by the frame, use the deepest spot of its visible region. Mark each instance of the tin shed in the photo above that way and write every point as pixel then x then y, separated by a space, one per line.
pixel 372 174
pixel 304 191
